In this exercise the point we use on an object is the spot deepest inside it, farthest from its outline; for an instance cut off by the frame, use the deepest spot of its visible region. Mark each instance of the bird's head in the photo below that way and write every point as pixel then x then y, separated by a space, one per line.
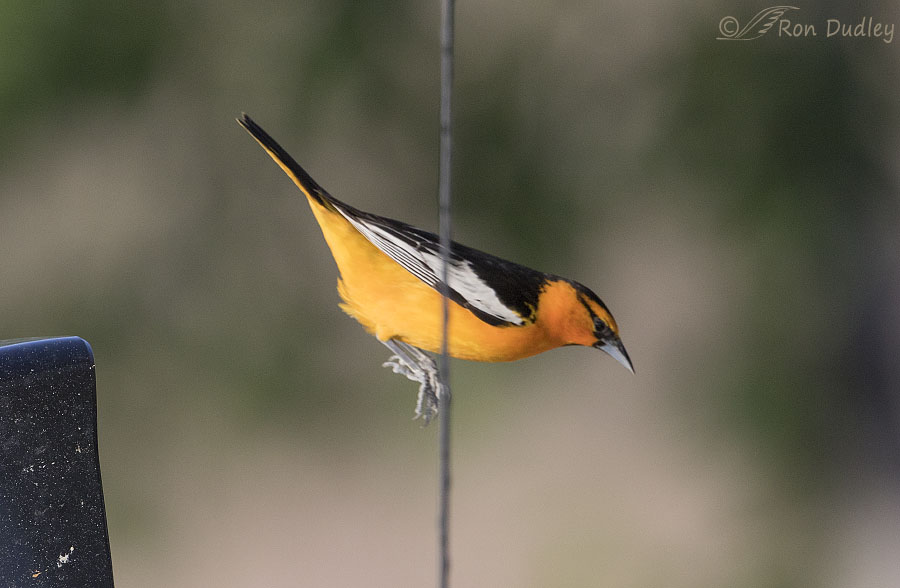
pixel 591 324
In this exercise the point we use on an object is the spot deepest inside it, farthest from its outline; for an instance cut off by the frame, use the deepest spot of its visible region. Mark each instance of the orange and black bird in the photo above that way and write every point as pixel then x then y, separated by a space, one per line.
pixel 390 282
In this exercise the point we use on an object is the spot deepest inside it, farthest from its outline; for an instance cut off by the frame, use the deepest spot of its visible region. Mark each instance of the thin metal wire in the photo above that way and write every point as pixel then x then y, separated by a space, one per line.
pixel 446 226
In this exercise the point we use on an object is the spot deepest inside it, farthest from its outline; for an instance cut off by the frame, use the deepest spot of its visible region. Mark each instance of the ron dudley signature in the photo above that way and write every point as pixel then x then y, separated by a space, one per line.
pixel 867 27
pixel 778 18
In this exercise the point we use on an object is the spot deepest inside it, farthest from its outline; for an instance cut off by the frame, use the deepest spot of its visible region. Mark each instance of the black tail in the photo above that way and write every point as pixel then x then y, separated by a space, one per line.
pixel 283 158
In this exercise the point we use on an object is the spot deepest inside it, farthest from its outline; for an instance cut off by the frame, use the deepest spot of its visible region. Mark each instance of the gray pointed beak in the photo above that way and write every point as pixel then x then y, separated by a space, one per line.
pixel 617 351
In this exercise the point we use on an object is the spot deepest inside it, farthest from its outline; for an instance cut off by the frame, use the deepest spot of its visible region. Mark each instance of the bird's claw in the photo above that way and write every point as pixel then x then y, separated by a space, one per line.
pixel 398 366
pixel 418 367
pixel 427 401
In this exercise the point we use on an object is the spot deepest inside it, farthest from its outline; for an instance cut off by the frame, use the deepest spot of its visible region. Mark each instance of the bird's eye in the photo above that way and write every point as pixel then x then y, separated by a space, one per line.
pixel 601 328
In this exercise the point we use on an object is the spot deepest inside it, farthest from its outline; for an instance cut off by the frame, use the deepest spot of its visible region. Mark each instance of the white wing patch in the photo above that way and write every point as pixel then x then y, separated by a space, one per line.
pixel 464 280
pixel 425 264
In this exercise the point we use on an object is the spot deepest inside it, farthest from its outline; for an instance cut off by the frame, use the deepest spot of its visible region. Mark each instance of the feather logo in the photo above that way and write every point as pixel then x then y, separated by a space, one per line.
pixel 731 30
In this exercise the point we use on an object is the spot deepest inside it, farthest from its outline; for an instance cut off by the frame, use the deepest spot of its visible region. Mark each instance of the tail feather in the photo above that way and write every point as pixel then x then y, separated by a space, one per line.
pixel 303 180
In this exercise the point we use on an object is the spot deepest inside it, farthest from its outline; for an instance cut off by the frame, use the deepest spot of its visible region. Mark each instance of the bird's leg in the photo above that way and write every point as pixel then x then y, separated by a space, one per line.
pixel 420 367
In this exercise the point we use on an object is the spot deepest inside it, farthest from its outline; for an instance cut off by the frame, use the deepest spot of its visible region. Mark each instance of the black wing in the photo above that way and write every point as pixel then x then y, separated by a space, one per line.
pixel 497 291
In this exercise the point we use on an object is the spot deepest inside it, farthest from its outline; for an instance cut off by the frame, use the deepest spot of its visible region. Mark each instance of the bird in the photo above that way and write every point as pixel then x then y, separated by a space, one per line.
pixel 391 282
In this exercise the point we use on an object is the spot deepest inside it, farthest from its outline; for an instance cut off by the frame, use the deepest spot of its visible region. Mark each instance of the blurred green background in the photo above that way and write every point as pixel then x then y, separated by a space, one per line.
pixel 734 203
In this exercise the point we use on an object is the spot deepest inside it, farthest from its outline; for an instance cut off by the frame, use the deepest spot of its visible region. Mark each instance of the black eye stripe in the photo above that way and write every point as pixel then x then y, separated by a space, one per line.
pixel 588 308
pixel 600 326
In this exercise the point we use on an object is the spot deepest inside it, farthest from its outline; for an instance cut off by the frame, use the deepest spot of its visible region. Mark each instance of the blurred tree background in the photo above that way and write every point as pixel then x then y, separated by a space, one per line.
pixel 735 204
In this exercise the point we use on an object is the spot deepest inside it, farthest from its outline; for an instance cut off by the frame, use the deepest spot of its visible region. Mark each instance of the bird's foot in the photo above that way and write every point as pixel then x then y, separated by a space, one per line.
pixel 427 399
pixel 418 366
